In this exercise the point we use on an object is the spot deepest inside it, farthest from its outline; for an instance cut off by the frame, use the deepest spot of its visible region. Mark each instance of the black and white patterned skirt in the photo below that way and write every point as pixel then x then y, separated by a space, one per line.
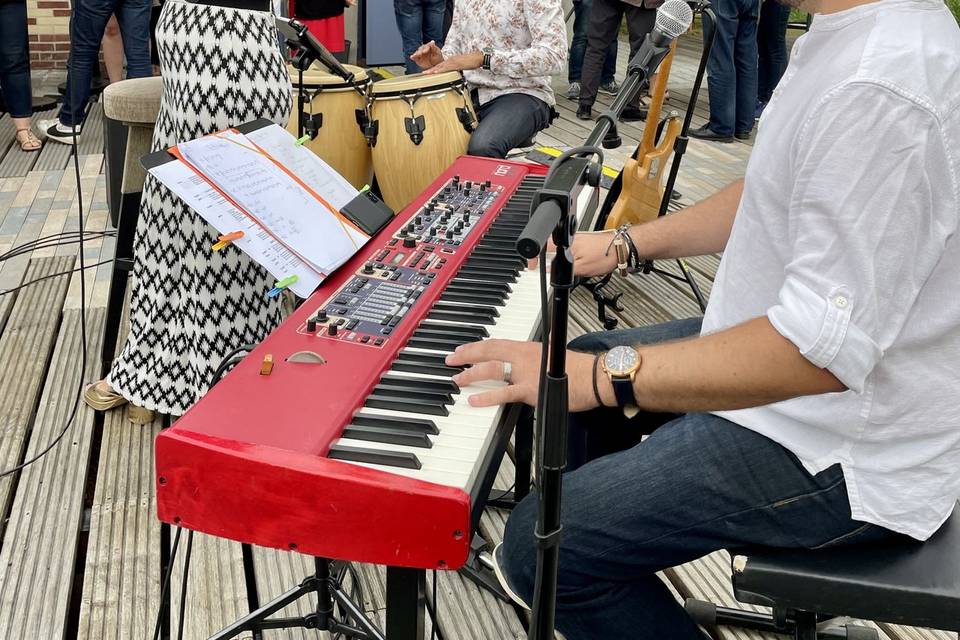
pixel 191 306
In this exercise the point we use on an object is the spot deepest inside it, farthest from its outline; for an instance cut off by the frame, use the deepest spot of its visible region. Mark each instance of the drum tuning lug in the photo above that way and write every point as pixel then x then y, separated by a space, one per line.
pixel 415 128
pixel 467 119
pixel 312 124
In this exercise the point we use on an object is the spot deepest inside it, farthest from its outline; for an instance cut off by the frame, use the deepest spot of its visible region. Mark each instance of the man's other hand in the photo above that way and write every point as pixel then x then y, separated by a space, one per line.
pixel 428 55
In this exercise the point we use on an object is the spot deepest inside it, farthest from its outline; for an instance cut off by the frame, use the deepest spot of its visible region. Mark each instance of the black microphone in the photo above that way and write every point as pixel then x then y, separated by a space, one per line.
pixel 297 33
pixel 673 18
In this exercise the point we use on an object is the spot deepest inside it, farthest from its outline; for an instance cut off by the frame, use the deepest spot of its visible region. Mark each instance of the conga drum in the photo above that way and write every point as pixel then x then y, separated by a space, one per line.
pixel 334 105
pixel 420 124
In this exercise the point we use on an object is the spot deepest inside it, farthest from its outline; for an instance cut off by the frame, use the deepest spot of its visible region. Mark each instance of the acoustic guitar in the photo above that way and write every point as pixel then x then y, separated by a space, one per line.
pixel 643 173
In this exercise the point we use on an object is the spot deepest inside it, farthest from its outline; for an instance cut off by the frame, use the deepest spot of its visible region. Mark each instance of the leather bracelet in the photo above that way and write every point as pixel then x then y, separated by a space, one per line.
pixel 596 388
pixel 628 258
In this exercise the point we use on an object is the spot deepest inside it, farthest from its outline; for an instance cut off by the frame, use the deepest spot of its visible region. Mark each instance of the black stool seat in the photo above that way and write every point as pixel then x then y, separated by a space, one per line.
pixel 916 584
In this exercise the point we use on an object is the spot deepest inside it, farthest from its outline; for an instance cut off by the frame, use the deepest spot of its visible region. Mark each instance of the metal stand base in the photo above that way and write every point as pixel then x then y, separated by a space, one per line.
pixel 800 625
pixel 480 572
pixel 329 593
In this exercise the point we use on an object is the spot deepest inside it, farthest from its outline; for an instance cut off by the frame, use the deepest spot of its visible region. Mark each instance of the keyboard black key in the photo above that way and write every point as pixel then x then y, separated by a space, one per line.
pixel 418 425
pixel 394 403
pixel 425 368
pixel 475 332
pixel 448 344
pixel 402 459
pixel 481 273
pixel 387 435
pixel 442 386
pixel 495 300
pixel 445 306
pixel 462 284
pixel 412 392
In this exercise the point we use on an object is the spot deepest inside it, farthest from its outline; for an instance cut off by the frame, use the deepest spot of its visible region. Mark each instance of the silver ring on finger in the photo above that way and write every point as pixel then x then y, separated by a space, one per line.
pixel 507 372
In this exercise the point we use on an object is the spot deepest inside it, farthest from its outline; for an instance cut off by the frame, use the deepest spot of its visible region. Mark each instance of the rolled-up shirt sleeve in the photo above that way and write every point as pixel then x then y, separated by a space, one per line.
pixel 868 223
pixel 545 54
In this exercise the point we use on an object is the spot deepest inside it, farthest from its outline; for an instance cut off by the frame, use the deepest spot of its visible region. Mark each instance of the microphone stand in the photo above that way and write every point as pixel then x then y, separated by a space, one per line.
pixel 709 21
pixel 552 215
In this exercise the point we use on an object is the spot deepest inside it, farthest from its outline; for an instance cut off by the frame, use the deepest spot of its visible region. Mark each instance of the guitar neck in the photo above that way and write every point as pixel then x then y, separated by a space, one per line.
pixel 657 93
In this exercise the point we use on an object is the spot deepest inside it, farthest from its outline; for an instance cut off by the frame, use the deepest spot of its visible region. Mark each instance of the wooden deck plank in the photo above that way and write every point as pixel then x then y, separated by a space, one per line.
pixel 7 140
pixel 121 573
pixel 121 577
pixel 16 162
pixel 216 593
pixel 25 347
pixel 40 544
pixel 900 632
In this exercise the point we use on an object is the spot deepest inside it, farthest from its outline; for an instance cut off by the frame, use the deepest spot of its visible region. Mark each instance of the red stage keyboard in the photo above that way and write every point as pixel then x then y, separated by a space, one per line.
pixel 358 445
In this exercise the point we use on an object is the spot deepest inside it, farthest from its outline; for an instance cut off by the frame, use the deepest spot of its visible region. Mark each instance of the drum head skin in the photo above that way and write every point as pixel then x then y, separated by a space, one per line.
pixel 318 76
pixel 416 82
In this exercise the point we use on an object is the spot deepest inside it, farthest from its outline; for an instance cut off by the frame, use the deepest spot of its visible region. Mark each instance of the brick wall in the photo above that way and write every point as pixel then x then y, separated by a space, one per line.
pixel 49 28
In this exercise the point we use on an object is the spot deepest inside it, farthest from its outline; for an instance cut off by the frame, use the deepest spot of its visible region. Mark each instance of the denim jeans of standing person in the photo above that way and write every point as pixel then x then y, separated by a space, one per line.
pixel 771 48
pixel 15 60
pixel 578 46
pixel 419 22
pixel 699 483
pixel 86 31
pixel 603 27
pixel 732 67
pixel 506 122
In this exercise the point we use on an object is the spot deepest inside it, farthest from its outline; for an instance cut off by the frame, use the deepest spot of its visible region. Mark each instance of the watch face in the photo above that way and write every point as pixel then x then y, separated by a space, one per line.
pixel 621 360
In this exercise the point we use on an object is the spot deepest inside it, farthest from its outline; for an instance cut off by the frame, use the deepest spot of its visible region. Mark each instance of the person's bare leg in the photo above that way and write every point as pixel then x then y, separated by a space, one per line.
pixel 112 45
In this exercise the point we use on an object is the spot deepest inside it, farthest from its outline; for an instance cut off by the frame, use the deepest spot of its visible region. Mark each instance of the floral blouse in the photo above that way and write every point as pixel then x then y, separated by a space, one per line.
pixel 528 39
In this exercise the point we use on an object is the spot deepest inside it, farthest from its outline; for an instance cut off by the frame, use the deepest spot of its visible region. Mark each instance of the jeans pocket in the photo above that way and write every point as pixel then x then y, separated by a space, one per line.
pixel 864 533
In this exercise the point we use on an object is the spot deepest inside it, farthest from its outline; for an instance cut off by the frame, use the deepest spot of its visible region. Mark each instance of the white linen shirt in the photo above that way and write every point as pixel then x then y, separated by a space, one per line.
pixel 846 239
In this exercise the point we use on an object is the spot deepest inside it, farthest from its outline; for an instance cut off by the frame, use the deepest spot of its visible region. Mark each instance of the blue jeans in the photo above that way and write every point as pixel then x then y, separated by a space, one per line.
pixel 419 22
pixel 15 60
pixel 578 46
pixel 86 31
pixel 506 122
pixel 699 483
pixel 732 67
pixel 771 48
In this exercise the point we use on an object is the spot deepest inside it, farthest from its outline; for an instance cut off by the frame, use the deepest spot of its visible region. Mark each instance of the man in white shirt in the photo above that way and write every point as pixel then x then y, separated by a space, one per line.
pixel 507 52
pixel 820 397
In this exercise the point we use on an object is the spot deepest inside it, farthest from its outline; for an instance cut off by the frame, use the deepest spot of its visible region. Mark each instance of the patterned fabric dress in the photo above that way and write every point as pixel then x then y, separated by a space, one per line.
pixel 191 306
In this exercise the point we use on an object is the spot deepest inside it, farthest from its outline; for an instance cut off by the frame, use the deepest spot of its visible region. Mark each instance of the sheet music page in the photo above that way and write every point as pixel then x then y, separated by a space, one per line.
pixel 265 191
pixel 279 261
pixel 304 164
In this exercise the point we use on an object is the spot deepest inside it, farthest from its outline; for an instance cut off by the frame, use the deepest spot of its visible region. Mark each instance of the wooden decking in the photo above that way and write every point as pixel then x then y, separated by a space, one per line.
pixel 81 550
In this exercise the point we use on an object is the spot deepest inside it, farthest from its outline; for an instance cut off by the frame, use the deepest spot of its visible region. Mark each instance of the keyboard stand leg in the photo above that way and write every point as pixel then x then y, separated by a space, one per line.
pixel 329 592
pixel 523 463
pixel 479 571
pixel 406 600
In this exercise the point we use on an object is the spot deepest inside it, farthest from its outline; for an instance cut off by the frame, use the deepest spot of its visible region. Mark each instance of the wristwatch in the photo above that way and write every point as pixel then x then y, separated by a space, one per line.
pixel 487 56
pixel 621 365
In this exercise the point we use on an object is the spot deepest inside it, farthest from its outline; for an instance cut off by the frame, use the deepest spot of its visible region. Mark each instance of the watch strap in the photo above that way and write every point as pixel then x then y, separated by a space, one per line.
pixel 623 389
pixel 487 59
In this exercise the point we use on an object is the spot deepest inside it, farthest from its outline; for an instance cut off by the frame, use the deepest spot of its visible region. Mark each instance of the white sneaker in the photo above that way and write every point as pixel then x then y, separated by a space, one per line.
pixel 573 91
pixel 54 130
pixel 497 558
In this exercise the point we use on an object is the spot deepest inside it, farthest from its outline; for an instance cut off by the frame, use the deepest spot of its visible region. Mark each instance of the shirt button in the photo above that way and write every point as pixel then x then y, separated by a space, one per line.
pixel 840 302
